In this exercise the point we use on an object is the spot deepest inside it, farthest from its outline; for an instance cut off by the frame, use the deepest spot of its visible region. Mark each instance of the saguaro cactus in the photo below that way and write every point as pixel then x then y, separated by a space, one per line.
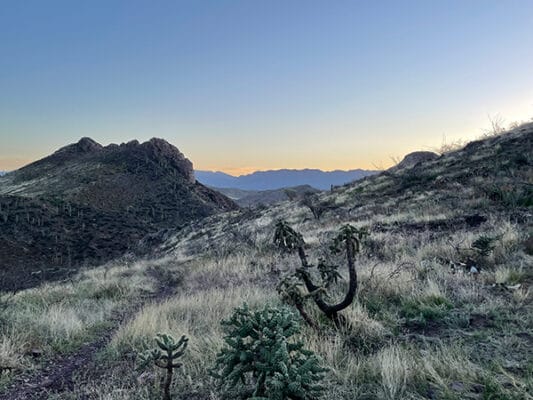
pixel 165 356
pixel 349 240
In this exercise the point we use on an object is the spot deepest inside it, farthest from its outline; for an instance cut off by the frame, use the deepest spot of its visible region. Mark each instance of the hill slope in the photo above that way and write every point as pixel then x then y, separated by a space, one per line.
pixel 251 198
pixel 87 203
pixel 444 300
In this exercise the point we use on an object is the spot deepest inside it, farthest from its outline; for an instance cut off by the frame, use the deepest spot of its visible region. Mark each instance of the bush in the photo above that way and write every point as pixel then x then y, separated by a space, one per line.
pixel 261 358
pixel 418 312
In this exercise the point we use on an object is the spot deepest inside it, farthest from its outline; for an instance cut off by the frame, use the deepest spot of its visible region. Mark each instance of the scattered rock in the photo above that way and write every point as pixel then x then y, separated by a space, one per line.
pixel 457 386
pixel 36 353
pixel 145 378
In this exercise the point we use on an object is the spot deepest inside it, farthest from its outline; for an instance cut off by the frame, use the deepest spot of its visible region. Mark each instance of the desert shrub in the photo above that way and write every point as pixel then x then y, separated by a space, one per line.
pixel 263 359
pixel 511 196
pixel 315 205
pixel 484 245
pixel 418 312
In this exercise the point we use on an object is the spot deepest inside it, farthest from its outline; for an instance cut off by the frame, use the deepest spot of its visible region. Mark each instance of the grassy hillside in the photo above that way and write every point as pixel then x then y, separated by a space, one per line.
pixel 443 311
pixel 259 198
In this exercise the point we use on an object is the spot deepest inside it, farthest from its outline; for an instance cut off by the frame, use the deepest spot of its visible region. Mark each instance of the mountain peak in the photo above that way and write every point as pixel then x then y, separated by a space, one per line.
pixel 84 145
pixel 166 152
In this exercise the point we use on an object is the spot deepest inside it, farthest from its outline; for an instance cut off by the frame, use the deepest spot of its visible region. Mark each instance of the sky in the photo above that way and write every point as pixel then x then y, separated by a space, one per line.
pixel 249 85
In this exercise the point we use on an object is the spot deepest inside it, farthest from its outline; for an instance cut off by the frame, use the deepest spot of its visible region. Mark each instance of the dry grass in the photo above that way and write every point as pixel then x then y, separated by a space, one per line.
pixel 58 317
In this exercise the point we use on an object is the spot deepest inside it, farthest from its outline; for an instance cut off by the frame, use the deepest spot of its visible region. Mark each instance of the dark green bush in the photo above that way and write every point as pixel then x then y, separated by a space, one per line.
pixel 418 312
pixel 262 360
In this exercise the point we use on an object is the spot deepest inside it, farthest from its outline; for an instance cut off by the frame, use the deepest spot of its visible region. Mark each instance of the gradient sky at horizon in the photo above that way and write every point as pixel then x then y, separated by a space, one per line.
pixel 240 86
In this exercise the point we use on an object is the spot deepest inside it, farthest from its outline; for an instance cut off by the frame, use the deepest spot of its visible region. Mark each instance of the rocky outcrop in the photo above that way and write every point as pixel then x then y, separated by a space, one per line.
pixel 162 150
pixel 414 158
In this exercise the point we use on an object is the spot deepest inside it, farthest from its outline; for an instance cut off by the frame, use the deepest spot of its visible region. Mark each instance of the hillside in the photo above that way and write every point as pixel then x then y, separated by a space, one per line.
pixel 253 198
pixel 88 203
pixel 443 307
pixel 278 179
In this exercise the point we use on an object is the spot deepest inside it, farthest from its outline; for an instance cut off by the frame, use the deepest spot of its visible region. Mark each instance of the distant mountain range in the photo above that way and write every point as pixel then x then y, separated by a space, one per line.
pixel 282 178
pixel 3 173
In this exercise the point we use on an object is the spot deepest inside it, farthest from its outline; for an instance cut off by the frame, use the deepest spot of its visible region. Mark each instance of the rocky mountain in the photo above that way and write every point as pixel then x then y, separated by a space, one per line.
pixel 88 203
pixel 278 179
pixel 251 198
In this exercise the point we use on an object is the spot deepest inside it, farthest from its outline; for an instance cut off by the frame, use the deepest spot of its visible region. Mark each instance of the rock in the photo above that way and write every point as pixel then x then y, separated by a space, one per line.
pixel 514 287
pixel 474 270
pixel 415 158
pixel 457 386
pixel 83 146
pixel 162 150
pixel 36 353
pixel 145 378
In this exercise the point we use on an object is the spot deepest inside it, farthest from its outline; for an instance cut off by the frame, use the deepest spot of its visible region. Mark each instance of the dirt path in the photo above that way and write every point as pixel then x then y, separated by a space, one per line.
pixel 57 375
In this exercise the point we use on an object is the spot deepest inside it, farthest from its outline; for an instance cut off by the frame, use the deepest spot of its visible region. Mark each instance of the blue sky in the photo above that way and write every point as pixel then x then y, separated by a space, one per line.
pixel 247 85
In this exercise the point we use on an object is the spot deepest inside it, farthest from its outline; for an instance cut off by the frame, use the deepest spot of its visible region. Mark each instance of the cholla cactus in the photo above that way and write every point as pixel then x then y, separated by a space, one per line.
pixel 349 240
pixel 262 358
pixel 165 356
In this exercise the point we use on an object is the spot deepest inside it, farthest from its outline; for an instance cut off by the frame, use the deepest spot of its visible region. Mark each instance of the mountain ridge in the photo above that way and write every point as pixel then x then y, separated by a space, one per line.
pixel 281 178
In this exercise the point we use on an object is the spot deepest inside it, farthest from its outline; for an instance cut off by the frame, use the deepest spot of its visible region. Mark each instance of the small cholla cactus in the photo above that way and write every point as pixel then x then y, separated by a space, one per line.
pixel 165 356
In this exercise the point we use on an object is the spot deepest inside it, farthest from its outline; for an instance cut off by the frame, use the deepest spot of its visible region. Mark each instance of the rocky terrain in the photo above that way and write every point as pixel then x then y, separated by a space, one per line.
pixel 87 203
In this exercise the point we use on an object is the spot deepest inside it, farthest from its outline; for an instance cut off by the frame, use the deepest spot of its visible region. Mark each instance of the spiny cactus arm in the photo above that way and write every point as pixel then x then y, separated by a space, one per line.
pixel 349 236
pixel 287 238
pixel 352 245
pixel 314 291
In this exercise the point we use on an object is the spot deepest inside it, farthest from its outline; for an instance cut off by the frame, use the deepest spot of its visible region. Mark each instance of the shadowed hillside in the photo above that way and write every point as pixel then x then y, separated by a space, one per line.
pixel 87 203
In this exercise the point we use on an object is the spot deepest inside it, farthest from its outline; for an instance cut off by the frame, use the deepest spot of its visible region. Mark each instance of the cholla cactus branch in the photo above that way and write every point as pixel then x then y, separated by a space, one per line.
pixel 348 240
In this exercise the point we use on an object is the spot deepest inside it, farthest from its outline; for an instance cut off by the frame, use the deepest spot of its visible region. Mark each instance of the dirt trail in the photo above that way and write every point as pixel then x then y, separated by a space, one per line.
pixel 57 375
